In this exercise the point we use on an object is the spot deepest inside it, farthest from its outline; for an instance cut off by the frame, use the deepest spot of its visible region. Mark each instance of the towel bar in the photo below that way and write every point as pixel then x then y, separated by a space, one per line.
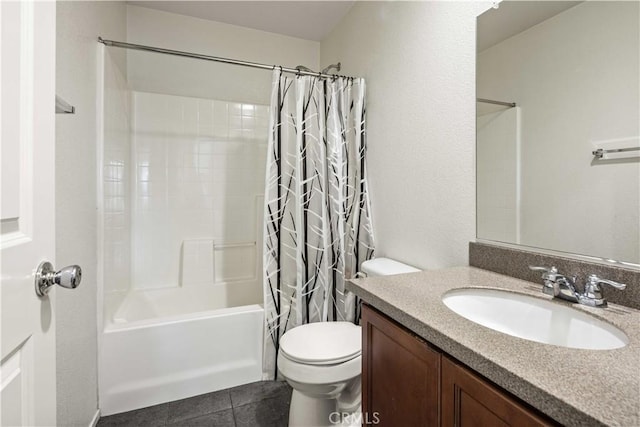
pixel 599 153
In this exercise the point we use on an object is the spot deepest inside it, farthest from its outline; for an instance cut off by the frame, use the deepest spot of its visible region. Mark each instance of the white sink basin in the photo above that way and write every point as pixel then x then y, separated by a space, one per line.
pixel 534 319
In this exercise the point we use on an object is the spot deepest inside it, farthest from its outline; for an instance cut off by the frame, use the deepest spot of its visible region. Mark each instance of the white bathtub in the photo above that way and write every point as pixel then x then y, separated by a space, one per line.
pixel 168 344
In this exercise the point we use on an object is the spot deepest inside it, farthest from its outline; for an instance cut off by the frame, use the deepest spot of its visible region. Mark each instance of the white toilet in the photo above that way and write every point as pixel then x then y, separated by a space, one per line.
pixel 322 362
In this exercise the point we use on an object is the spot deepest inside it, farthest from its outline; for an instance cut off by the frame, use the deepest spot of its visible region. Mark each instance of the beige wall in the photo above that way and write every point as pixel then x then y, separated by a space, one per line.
pixel 78 26
pixel 419 62
pixel 149 72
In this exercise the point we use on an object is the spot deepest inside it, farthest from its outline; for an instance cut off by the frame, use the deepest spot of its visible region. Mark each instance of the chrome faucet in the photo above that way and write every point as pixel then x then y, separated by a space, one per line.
pixel 560 286
pixel 557 285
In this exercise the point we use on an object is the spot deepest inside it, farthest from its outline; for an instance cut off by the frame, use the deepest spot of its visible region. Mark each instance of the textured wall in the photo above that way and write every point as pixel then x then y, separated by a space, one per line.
pixel 148 72
pixel 78 26
pixel 419 62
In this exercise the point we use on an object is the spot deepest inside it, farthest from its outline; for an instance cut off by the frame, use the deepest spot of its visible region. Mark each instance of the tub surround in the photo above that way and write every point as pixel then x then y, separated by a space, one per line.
pixel 516 262
pixel 574 387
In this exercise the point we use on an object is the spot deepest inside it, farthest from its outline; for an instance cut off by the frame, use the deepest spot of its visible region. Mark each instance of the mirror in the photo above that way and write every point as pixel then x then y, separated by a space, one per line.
pixel 556 82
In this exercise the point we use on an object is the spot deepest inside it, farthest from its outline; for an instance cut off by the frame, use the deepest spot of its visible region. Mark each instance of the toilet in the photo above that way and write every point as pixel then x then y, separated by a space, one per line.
pixel 322 362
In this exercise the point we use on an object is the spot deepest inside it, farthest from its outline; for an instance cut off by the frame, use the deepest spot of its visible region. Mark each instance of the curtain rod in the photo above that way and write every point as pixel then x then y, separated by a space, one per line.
pixel 491 101
pixel 214 58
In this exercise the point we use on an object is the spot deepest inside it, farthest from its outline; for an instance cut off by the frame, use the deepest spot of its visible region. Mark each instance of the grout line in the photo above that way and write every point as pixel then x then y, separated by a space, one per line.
pixel 176 422
pixel 260 400
pixel 233 415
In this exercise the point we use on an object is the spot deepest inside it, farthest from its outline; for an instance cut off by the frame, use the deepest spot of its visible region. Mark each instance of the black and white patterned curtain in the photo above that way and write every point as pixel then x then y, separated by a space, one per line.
pixel 317 213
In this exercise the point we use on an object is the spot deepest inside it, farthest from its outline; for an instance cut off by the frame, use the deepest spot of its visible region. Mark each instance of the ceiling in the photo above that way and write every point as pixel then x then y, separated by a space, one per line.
pixel 310 20
pixel 513 17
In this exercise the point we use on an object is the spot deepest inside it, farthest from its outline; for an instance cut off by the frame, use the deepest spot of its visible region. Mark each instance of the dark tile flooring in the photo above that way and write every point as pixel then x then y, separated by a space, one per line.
pixel 261 404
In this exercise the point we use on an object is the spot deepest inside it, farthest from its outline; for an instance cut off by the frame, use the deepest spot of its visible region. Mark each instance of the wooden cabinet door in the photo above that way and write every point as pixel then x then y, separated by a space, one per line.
pixel 400 375
pixel 468 401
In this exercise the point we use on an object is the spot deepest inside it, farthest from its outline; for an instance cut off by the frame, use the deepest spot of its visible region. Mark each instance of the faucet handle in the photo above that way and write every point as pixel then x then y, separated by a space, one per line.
pixel 552 273
pixel 593 281
pixel 593 293
pixel 548 273
pixel 552 270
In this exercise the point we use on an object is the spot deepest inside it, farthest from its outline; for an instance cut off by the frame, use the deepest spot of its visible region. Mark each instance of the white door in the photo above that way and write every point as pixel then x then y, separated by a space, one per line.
pixel 27 132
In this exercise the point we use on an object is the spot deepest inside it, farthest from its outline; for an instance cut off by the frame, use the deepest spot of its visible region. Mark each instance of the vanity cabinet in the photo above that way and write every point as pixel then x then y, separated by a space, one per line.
pixel 408 382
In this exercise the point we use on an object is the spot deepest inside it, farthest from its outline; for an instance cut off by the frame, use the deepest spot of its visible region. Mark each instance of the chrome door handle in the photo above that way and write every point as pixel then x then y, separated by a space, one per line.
pixel 69 277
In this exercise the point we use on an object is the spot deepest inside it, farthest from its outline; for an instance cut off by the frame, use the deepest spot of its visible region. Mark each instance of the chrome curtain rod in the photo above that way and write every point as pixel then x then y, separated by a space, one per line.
pixel 491 101
pixel 213 58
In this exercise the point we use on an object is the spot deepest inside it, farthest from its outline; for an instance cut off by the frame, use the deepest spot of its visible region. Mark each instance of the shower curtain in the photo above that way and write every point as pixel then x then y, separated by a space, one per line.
pixel 317 227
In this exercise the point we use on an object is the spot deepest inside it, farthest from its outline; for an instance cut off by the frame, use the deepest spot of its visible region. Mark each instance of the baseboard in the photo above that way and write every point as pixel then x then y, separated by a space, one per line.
pixel 95 419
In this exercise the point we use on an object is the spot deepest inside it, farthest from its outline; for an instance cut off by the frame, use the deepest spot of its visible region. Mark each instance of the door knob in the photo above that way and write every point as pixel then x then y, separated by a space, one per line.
pixel 69 277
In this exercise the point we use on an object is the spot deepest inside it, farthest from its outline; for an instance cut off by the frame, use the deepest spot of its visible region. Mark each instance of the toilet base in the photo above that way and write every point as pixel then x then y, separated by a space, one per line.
pixel 306 411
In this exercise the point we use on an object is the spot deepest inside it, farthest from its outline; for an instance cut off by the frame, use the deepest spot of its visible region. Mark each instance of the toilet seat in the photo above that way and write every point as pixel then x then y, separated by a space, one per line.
pixel 322 343
pixel 318 374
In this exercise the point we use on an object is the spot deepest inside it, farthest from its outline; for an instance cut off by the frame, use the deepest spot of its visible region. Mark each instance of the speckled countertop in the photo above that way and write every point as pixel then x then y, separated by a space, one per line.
pixel 574 387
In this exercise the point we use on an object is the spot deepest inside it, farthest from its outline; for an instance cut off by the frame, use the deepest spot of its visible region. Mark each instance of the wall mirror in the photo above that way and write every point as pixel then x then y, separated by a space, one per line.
pixel 558 135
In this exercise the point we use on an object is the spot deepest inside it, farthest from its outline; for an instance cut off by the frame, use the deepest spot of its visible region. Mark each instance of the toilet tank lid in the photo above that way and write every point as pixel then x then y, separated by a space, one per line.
pixel 386 267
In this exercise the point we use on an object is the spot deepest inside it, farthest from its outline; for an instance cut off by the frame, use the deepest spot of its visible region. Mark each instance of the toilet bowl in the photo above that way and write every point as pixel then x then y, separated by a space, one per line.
pixel 322 362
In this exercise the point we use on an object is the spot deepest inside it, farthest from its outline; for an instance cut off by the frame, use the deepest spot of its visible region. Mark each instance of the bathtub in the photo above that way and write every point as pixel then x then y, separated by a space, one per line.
pixel 168 344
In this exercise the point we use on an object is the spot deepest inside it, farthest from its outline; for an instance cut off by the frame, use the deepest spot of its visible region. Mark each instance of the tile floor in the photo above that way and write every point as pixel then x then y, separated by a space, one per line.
pixel 260 404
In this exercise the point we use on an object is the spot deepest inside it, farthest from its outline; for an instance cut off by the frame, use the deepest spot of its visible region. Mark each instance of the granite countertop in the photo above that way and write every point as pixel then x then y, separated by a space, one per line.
pixel 572 386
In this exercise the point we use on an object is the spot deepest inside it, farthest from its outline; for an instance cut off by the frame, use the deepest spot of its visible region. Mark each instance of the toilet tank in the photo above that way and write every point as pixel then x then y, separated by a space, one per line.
pixel 385 267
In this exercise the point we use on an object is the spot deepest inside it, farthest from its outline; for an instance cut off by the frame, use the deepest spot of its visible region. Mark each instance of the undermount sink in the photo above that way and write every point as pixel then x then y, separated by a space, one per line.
pixel 534 319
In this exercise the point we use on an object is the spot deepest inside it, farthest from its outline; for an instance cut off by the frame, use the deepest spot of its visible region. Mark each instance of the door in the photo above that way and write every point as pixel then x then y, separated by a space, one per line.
pixel 27 137
pixel 468 401
pixel 400 375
